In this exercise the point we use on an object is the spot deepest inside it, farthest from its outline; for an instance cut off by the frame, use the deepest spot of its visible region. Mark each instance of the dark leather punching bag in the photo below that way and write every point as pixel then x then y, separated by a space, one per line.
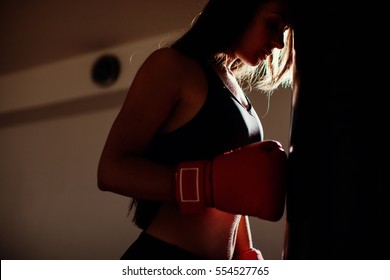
pixel 338 195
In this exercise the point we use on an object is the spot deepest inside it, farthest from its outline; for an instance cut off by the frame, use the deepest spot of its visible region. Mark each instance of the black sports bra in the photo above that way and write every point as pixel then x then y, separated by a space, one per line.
pixel 222 124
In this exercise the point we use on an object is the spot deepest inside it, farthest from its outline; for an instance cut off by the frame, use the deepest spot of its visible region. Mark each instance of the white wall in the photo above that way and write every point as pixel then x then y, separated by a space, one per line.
pixel 50 143
pixel 269 236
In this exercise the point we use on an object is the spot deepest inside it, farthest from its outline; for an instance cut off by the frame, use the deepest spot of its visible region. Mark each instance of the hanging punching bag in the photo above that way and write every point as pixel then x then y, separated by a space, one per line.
pixel 339 172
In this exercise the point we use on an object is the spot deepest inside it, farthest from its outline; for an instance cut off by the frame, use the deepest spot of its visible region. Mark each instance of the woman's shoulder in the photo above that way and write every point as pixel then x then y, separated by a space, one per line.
pixel 170 62
pixel 167 52
pixel 172 59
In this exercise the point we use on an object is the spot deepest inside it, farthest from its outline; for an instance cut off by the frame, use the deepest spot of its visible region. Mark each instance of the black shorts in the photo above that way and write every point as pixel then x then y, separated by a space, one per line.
pixel 147 247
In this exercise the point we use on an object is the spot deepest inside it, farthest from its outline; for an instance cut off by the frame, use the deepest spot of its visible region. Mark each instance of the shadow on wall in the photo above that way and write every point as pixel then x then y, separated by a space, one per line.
pixel 73 107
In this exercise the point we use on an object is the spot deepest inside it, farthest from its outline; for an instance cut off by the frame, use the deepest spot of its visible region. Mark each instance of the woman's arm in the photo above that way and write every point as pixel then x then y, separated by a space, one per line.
pixel 152 105
pixel 244 237
pixel 244 246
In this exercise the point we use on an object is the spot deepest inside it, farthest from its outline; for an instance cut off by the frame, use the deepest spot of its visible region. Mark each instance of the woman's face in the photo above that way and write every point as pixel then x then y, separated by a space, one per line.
pixel 264 33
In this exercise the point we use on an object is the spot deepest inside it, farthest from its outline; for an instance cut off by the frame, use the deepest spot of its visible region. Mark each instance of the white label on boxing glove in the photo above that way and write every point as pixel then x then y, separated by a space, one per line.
pixel 189 184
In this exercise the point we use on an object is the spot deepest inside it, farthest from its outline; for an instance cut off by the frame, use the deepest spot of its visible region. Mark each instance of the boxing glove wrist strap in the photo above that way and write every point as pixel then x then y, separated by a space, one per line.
pixel 193 191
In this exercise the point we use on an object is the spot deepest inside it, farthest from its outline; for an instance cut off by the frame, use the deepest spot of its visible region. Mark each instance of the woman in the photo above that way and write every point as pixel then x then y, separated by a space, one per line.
pixel 180 141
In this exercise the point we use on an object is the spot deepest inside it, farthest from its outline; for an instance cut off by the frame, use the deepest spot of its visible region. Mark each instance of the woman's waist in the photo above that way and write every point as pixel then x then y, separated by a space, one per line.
pixel 209 234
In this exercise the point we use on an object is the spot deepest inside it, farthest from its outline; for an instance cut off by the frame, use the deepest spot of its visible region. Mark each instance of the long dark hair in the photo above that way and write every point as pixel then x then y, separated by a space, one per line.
pixel 212 36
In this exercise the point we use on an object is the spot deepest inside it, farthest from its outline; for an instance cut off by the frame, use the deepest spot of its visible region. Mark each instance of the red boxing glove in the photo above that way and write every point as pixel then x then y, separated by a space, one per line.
pixel 247 181
pixel 251 254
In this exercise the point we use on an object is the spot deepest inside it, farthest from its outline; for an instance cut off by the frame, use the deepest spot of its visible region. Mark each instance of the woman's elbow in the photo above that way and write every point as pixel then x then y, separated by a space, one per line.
pixel 103 181
pixel 101 185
